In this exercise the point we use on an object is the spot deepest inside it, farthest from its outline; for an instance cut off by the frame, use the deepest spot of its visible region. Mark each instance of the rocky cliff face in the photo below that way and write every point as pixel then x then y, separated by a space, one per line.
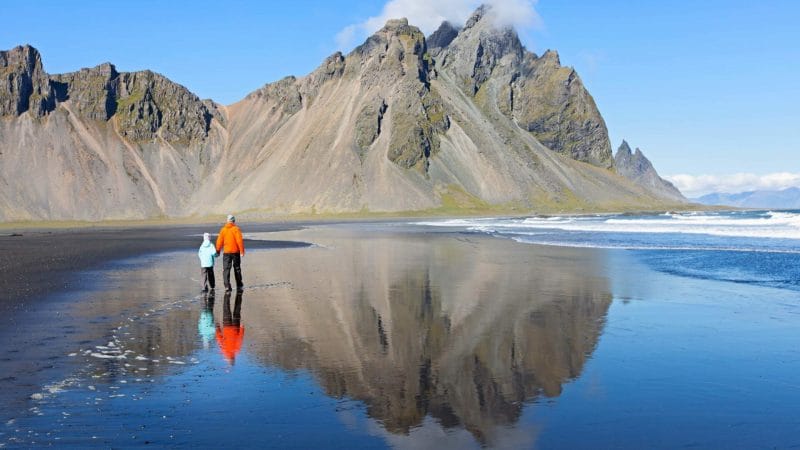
pixel 97 144
pixel 441 38
pixel 397 54
pixel 551 102
pixel 540 95
pixel 144 105
pixel 467 119
pixel 92 91
pixel 24 86
pixel 637 168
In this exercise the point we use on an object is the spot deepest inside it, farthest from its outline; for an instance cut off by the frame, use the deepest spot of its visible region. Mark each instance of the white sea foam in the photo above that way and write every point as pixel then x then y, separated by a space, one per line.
pixel 771 225
pixel 105 356
pixel 530 240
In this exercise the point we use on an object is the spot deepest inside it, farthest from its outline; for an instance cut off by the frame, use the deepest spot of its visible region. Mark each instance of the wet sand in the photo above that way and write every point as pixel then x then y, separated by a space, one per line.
pixel 383 336
pixel 35 264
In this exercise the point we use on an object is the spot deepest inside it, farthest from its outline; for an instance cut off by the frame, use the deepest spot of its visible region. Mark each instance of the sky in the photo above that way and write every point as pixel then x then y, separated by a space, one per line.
pixel 708 90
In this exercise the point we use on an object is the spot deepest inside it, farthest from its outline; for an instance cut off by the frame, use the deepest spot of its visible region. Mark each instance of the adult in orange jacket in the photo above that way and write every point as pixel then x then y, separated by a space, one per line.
pixel 230 243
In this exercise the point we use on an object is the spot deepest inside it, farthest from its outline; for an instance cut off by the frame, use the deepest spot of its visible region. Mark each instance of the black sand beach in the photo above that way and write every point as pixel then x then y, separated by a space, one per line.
pixel 388 335
pixel 38 263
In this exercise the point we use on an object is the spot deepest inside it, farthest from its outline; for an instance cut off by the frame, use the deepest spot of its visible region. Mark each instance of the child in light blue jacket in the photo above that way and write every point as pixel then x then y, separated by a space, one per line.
pixel 207 253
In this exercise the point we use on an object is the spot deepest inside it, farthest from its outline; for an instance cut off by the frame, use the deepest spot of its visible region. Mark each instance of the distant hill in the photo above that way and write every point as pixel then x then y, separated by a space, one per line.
pixel 785 199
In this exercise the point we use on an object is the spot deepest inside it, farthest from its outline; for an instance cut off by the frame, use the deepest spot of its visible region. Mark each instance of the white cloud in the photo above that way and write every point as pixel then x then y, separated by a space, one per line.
pixel 429 14
pixel 697 185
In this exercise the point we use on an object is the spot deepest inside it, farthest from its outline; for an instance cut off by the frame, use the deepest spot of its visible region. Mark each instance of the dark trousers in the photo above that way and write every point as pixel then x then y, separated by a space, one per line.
pixel 236 260
pixel 207 275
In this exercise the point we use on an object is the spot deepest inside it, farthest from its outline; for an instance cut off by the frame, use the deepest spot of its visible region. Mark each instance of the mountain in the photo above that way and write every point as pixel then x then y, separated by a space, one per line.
pixel 784 199
pixel 98 144
pixel 474 123
pixel 637 168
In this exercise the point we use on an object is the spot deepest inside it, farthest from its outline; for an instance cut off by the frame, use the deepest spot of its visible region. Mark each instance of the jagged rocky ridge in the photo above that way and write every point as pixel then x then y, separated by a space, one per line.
pixel 474 121
pixel 637 168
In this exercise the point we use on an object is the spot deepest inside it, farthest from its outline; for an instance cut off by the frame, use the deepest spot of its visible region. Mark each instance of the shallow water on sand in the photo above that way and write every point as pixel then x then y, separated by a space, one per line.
pixel 377 338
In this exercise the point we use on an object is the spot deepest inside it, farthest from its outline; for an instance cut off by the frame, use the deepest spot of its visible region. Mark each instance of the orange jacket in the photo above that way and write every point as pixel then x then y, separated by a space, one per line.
pixel 230 237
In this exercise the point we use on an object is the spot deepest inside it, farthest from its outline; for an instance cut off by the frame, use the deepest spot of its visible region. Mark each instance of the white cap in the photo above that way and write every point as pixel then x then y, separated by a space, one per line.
pixel 231 218
pixel 206 236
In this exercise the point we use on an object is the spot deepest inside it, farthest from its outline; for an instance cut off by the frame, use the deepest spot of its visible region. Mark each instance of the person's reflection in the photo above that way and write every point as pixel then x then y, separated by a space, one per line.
pixel 231 334
pixel 205 326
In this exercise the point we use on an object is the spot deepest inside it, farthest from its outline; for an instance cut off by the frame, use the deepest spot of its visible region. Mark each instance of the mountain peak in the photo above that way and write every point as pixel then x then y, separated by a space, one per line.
pixel 443 36
pixel 551 56
pixel 21 54
pixel 484 24
pixel 24 85
pixel 543 98
pixel 630 164
pixel 107 68
pixel 395 24
pixel 477 15
pixel 480 47
pixel 395 51
pixel 380 39
pixel 624 148
pixel 637 168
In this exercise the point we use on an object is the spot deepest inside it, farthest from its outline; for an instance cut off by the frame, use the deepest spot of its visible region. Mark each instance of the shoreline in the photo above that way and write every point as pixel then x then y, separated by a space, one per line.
pixel 8 229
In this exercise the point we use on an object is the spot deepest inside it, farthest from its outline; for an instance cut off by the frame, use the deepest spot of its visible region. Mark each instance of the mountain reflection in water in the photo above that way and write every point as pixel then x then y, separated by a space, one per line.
pixel 444 338
pixel 443 326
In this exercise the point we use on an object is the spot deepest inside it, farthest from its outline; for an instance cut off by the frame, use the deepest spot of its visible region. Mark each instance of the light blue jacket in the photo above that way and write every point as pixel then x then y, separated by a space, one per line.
pixel 206 254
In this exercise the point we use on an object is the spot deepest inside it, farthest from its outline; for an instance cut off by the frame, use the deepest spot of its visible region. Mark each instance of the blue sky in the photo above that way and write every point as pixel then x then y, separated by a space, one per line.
pixel 709 90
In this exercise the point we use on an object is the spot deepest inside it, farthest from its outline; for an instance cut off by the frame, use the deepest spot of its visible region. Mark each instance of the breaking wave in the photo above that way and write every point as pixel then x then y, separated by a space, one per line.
pixel 769 231
pixel 752 247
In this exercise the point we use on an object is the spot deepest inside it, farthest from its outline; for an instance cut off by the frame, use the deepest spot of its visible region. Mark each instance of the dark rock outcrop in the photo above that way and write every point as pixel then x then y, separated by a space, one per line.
pixel 284 92
pixel 395 51
pixel 442 37
pixel 24 85
pixel 368 125
pixel 146 105
pixel 551 102
pixel 332 68
pixel 92 92
pixel 637 168
pixel 544 98
pixel 150 105
pixel 479 48
pixel 397 56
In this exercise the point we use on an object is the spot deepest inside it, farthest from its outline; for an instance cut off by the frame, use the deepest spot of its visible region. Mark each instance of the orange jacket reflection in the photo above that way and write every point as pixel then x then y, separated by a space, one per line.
pixel 230 338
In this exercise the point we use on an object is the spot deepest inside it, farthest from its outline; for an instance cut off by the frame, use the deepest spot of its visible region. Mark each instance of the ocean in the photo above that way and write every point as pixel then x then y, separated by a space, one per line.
pixel 751 247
